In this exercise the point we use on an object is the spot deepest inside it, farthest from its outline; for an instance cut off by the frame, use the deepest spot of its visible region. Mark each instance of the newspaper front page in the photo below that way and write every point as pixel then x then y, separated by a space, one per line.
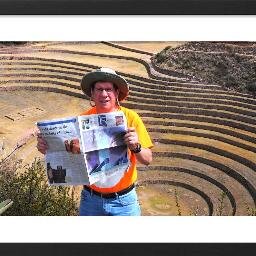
pixel 86 149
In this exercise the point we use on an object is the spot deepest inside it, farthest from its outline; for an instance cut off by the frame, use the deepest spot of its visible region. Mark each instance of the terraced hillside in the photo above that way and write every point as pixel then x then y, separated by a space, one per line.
pixel 205 136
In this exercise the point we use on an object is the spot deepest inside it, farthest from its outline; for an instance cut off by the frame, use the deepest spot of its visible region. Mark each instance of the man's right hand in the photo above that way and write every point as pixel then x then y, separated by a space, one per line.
pixel 41 144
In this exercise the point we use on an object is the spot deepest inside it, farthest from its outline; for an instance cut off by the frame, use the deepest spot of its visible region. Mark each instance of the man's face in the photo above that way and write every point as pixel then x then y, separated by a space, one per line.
pixel 104 95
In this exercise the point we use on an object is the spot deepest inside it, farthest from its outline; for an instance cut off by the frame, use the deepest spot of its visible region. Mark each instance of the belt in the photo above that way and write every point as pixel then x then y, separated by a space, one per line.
pixel 110 195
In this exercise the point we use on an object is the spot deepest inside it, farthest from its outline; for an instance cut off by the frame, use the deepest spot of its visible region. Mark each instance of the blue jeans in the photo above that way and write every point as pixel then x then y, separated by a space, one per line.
pixel 124 205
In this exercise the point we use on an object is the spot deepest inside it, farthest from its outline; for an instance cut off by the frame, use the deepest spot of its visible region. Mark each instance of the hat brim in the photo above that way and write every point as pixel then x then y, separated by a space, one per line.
pixel 89 79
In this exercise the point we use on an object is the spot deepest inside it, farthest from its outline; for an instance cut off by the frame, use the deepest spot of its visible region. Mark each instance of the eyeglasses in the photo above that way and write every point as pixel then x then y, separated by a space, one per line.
pixel 107 90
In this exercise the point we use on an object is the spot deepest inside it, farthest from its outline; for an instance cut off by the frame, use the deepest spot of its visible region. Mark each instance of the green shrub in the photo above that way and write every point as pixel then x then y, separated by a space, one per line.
pixel 161 57
pixel 31 195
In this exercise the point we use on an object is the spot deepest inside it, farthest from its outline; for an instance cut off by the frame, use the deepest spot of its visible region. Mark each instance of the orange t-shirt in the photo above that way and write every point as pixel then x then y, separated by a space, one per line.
pixel 130 176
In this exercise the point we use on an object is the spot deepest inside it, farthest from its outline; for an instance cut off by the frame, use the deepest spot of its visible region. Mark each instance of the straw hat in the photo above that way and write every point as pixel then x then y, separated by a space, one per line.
pixel 106 75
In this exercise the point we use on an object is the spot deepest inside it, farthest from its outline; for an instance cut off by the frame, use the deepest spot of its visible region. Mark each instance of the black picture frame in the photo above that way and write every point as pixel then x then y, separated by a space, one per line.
pixel 127 7
pixel 126 249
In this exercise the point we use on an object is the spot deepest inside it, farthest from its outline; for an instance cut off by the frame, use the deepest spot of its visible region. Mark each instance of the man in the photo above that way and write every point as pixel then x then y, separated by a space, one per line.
pixel 117 196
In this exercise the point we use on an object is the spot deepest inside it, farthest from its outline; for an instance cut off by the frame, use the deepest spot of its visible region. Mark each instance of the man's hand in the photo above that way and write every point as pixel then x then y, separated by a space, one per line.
pixel 41 144
pixel 131 138
pixel 144 156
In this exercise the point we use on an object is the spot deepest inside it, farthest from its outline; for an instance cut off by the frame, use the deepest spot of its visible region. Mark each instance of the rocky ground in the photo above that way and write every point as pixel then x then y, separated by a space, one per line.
pixel 230 64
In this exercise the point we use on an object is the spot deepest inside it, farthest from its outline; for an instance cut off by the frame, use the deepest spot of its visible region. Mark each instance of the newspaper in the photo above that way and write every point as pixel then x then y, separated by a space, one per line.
pixel 86 149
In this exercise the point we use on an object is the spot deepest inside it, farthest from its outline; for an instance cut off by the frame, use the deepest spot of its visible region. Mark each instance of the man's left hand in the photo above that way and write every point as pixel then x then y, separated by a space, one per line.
pixel 131 138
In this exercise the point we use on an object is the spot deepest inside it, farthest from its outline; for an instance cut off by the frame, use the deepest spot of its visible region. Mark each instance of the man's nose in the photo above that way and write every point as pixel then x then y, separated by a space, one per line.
pixel 104 92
